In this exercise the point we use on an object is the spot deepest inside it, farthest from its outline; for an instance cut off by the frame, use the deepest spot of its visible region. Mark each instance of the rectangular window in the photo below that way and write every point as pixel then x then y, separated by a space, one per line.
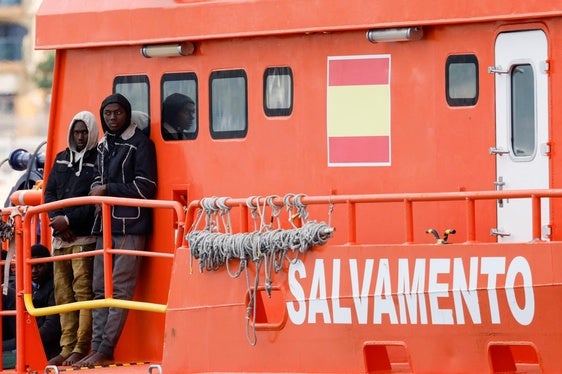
pixel 7 103
pixel 278 91
pixel 228 97
pixel 136 89
pixel 11 41
pixel 523 110
pixel 179 103
pixel 461 77
pixel 10 2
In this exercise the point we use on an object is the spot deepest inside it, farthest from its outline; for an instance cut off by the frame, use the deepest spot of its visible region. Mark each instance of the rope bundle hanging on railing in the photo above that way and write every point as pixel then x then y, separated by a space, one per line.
pixel 7 230
pixel 214 249
pixel 215 245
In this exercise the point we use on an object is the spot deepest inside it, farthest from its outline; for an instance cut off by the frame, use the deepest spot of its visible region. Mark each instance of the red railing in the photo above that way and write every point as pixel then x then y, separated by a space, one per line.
pixel 408 200
pixel 25 225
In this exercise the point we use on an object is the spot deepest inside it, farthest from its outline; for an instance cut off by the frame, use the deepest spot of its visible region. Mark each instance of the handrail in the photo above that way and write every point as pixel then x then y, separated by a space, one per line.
pixel 407 199
pixel 106 202
pixel 91 304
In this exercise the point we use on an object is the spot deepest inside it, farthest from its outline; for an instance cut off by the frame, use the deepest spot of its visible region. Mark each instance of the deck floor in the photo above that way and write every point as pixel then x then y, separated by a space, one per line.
pixel 132 368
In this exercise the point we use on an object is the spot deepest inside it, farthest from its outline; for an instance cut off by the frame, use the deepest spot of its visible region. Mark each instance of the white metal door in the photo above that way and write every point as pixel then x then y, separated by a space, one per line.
pixel 521 150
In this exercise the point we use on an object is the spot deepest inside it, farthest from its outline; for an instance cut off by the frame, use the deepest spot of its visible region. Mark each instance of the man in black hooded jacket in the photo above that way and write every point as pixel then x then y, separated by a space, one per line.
pixel 125 167
pixel 71 176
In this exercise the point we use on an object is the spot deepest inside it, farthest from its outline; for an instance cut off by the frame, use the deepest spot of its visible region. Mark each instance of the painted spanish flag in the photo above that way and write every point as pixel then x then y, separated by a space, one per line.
pixel 358 110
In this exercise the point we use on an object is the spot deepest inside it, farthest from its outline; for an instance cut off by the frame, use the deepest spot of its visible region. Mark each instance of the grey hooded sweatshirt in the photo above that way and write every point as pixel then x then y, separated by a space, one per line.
pixel 71 176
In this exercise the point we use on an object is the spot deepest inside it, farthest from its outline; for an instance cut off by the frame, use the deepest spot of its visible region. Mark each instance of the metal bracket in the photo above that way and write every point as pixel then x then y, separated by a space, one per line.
pixel 498 151
pixel 497 70
pixel 544 66
pixel 156 367
pixel 499 232
pixel 546 231
pixel 545 149
pixel 499 186
pixel 51 369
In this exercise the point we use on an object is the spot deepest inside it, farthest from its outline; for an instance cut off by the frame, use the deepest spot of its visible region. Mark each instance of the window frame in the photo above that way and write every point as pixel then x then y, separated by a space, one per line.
pixel 181 76
pixel 278 112
pixel 461 59
pixel 12 36
pixel 134 79
pixel 517 111
pixel 225 74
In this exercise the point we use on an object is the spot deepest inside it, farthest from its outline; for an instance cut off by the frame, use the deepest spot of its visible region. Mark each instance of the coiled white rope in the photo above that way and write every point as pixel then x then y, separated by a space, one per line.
pixel 215 247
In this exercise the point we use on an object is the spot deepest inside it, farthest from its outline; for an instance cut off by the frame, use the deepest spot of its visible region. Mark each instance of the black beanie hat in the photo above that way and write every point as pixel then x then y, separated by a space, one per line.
pixel 116 99
pixel 39 250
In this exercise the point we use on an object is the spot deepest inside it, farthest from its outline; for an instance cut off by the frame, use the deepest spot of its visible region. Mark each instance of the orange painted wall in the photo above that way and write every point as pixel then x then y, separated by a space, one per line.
pixel 434 147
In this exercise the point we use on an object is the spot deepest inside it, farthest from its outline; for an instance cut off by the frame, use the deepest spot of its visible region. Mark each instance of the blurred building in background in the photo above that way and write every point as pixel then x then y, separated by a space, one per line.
pixel 24 86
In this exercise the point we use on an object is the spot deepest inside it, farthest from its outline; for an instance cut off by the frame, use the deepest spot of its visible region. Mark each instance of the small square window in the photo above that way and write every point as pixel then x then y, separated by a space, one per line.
pixel 179 106
pixel 461 76
pixel 278 91
pixel 228 96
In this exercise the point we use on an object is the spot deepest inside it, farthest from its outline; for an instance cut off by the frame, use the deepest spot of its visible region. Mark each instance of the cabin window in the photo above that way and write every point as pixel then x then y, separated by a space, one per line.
pixel 137 90
pixel 523 110
pixel 278 91
pixel 228 97
pixel 179 106
pixel 461 77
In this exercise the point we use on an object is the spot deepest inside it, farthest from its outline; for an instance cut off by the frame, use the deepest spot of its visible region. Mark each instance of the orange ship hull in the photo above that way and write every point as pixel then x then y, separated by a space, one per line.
pixel 424 136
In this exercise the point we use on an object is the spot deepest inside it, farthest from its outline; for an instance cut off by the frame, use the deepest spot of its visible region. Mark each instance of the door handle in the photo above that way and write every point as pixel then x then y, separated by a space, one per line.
pixel 498 151
pixel 497 70
pixel 499 232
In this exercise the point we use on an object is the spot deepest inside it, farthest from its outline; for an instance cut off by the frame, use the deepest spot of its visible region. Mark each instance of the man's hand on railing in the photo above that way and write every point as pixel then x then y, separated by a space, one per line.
pixel 67 235
pixel 59 225
pixel 98 190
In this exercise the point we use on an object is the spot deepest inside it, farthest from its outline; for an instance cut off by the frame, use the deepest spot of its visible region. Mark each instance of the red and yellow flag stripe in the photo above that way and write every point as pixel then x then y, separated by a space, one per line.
pixel 358 110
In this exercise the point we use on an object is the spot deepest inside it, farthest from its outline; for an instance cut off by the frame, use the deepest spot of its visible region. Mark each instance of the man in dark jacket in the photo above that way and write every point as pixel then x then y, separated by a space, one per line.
pixel 126 167
pixel 43 296
pixel 71 176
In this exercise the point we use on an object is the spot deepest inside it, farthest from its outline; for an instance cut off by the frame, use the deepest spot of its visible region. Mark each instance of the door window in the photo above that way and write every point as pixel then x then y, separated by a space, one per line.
pixel 523 111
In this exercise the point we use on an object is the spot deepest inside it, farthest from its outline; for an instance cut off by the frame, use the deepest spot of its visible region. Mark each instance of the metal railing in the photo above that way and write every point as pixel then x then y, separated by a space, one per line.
pixel 408 200
pixel 25 226
pixel 27 220
pixel 106 202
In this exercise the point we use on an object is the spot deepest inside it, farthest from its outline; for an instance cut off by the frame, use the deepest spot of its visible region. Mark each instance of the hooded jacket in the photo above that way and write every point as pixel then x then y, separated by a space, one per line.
pixel 126 165
pixel 71 176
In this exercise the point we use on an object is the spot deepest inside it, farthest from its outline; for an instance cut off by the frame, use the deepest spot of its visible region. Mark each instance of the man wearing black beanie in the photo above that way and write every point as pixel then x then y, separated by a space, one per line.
pixel 125 167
